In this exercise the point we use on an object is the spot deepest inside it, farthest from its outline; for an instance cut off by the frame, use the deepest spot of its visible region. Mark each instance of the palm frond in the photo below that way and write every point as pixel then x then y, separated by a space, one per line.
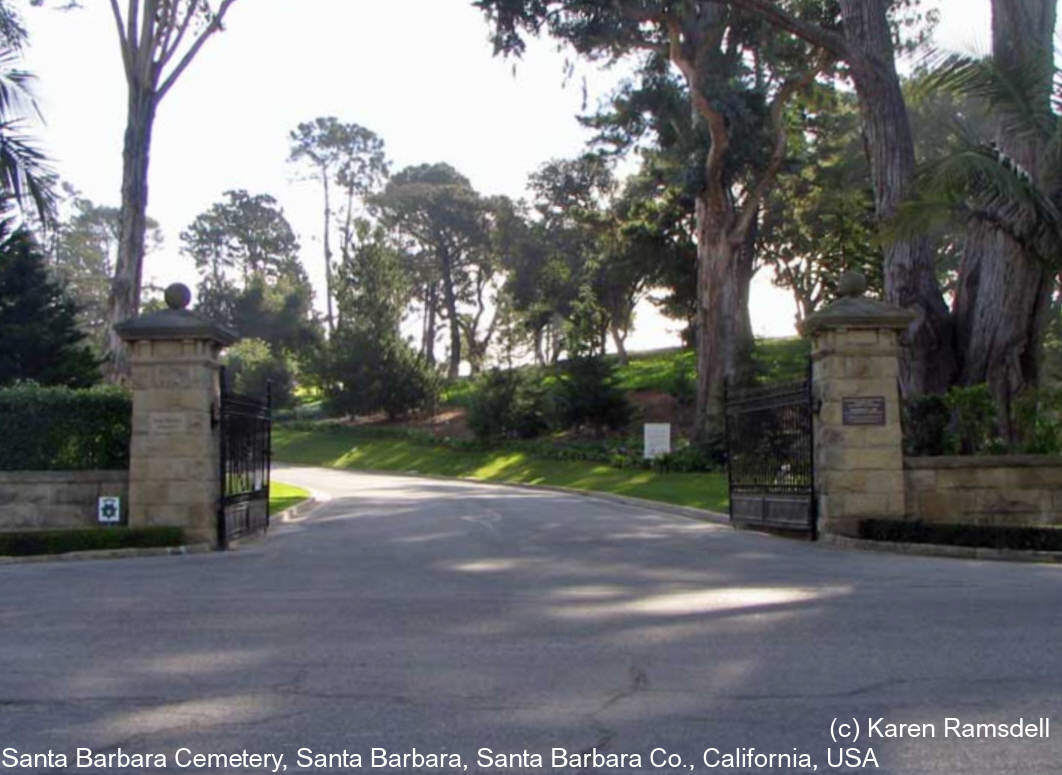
pixel 1021 96
pixel 24 170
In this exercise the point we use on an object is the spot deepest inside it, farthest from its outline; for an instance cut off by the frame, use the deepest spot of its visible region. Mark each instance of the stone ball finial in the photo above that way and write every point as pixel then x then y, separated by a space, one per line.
pixel 852 284
pixel 178 296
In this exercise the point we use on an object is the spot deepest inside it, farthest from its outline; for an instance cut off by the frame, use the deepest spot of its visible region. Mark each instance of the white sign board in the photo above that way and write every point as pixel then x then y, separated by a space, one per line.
pixel 110 510
pixel 657 439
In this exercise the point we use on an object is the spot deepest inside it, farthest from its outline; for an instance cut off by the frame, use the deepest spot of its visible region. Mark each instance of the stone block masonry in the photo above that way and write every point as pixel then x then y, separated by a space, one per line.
pixel 40 500
pixel 999 491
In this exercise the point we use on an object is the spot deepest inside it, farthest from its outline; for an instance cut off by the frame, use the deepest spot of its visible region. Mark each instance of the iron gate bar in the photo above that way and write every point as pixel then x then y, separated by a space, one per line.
pixel 770 456
pixel 246 452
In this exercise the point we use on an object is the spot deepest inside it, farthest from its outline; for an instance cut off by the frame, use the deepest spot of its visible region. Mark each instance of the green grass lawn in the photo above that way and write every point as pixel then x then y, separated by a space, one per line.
pixel 282 496
pixel 338 447
pixel 781 359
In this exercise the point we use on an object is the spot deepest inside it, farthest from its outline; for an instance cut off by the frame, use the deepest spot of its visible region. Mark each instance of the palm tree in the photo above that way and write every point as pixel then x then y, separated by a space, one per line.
pixel 24 173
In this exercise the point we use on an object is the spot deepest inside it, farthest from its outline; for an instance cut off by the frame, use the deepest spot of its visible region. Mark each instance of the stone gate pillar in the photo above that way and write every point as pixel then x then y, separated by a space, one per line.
pixel 855 385
pixel 174 452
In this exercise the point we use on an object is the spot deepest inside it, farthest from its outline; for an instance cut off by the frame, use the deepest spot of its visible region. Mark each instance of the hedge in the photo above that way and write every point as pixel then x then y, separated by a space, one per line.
pixel 60 429
pixel 28 543
pixel 1044 539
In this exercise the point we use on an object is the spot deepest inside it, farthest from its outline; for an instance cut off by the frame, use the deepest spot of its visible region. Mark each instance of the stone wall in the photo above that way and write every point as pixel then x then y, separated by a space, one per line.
pixel 32 500
pixel 1005 490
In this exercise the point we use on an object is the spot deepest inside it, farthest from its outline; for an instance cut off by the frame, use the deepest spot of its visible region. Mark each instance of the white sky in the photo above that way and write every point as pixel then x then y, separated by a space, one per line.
pixel 419 73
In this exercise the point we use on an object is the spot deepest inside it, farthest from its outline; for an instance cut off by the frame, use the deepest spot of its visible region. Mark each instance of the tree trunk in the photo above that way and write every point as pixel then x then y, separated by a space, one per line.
pixel 540 356
pixel 619 339
pixel 719 298
pixel 124 300
pixel 910 277
pixel 431 300
pixel 328 247
pixel 1004 294
pixel 450 299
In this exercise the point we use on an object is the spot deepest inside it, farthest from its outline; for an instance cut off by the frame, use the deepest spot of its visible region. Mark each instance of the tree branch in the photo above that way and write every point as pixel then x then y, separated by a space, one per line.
pixel 167 50
pixel 123 40
pixel 781 145
pixel 211 28
pixel 812 33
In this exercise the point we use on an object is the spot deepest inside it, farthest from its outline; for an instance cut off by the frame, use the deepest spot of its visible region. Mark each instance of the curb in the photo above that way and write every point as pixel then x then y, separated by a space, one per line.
pixel 942 550
pixel 109 554
pixel 294 513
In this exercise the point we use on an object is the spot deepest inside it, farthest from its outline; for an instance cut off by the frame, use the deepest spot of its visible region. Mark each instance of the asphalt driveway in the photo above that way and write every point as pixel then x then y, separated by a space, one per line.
pixel 447 617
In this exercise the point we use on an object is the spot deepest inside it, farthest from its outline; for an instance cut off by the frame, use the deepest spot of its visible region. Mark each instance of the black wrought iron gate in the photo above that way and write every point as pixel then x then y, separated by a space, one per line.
pixel 770 457
pixel 246 427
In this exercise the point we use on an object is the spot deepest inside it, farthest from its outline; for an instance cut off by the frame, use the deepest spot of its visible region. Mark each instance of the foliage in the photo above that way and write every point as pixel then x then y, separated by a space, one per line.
pixel 1045 539
pixel 238 238
pixel 252 367
pixel 973 408
pixel 1038 413
pixel 588 394
pixel 56 428
pixel 33 542
pixel 509 404
pixel 925 426
pixel 345 155
pixel 83 250
pixel 444 226
pixel 819 219
pixel 366 374
pixel 41 340
pixel 250 274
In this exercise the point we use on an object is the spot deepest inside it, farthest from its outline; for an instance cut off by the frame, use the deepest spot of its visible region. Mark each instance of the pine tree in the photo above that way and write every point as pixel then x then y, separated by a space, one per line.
pixel 39 337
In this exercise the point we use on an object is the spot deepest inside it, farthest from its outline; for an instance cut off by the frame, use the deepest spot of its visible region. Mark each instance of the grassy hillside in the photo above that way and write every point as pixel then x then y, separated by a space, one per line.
pixel 660 370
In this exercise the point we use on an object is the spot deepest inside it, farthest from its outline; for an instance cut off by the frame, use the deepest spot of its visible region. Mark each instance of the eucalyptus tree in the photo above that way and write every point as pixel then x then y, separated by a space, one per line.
pixel 347 156
pixel 158 40
pixel 861 34
pixel 438 214
pixel 738 80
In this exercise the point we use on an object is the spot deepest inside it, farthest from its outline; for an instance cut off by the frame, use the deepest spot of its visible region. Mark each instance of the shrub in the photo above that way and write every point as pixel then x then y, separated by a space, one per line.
pixel 925 426
pixel 974 412
pixel 33 542
pixel 1038 414
pixel 989 536
pixel 58 428
pixel 251 365
pixel 682 384
pixel 588 394
pixel 368 375
pixel 508 404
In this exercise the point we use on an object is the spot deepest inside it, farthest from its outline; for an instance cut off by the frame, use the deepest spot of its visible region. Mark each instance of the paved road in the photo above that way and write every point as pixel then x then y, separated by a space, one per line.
pixel 412 613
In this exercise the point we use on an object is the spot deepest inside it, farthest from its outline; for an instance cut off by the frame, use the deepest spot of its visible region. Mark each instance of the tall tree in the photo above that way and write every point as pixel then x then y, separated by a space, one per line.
pixel 345 155
pixel 738 82
pixel 158 41
pixel 435 208
pixel 866 44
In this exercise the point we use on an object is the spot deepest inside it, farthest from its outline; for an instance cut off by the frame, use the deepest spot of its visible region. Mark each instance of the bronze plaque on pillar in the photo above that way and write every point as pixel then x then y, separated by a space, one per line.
pixel 863 411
